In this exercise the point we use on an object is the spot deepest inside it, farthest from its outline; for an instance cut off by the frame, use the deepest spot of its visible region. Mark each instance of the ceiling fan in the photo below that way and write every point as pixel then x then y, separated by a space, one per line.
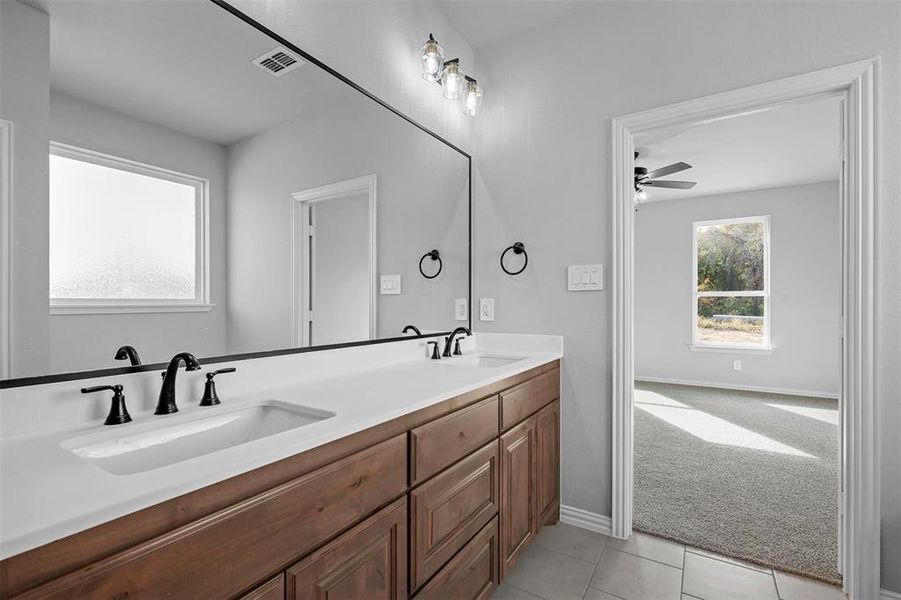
pixel 645 178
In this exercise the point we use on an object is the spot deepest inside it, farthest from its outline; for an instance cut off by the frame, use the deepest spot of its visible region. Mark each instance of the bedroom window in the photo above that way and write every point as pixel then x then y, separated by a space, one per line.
pixel 124 236
pixel 731 284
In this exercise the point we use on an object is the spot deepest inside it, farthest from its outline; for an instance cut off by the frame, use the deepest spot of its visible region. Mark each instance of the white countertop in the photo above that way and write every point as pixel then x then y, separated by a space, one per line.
pixel 48 493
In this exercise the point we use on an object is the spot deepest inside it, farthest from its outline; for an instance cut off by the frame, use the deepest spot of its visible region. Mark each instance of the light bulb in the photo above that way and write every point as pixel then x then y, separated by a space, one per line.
pixel 472 98
pixel 452 80
pixel 640 195
pixel 432 60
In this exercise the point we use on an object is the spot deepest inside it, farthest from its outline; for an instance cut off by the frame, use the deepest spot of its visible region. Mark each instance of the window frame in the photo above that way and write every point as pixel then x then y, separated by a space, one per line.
pixel 201 301
pixel 696 343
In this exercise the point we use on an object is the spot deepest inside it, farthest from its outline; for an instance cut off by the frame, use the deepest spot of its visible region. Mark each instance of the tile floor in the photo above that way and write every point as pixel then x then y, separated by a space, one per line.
pixel 569 563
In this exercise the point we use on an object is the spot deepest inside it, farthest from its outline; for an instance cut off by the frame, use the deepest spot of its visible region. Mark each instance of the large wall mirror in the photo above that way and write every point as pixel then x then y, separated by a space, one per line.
pixel 175 178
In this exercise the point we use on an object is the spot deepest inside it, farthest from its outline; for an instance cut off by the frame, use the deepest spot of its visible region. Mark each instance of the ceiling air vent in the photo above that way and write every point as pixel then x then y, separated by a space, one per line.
pixel 278 61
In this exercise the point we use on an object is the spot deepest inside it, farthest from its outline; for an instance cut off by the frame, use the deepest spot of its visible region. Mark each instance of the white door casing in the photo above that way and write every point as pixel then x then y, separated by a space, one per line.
pixel 856 83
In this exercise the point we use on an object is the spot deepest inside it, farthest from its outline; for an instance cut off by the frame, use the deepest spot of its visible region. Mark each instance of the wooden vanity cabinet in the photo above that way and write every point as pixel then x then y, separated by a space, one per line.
pixel 440 503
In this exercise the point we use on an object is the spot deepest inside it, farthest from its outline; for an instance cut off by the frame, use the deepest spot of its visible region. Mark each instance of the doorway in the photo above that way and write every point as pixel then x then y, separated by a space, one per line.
pixel 859 502
pixel 334 253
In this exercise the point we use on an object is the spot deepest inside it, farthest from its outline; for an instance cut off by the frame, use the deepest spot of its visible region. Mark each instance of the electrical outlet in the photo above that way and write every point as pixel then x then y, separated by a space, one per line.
pixel 736 365
pixel 486 309
pixel 461 310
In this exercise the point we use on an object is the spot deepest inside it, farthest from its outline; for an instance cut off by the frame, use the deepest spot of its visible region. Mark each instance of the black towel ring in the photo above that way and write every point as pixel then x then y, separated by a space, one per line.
pixel 518 248
pixel 434 255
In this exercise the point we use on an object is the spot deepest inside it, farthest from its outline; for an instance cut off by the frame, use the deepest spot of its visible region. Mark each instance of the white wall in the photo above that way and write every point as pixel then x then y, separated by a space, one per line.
pixel 422 204
pixel 376 45
pixel 805 290
pixel 157 336
pixel 25 101
pixel 543 155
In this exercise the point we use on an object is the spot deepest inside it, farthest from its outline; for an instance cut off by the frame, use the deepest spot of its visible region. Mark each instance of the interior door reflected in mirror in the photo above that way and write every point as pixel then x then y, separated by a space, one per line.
pixel 184 181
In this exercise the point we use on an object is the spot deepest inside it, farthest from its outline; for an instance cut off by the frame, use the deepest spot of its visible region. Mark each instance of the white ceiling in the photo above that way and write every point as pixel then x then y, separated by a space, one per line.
pixel 185 65
pixel 791 144
pixel 485 22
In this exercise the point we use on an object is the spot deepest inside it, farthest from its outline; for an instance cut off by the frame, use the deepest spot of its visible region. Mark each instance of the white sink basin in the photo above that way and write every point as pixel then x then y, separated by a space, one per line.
pixel 132 449
pixel 485 361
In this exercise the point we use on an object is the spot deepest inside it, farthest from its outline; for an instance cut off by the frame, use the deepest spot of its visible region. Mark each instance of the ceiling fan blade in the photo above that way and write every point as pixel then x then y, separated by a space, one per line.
pixel 677 185
pixel 669 170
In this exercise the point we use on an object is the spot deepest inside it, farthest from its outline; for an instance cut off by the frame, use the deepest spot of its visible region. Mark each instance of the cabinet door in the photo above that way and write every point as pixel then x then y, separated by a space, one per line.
pixel 519 505
pixel 547 426
pixel 369 561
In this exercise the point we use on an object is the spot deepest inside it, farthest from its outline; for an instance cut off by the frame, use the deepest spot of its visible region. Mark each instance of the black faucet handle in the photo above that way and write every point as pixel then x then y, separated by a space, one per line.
pixel 210 397
pixel 435 354
pixel 457 351
pixel 211 374
pixel 118 413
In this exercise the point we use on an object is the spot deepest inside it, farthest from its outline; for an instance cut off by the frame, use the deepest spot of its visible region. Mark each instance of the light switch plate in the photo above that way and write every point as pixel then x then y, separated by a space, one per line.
pixel 390 285
pixel 461 310
pixel 585 278
pixel 486 309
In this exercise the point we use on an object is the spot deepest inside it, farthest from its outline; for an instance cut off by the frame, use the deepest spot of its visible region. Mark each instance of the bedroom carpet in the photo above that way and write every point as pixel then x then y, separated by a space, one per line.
pixel 749 475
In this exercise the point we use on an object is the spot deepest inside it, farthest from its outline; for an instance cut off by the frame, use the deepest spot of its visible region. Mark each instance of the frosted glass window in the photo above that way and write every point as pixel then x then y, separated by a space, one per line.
pixel 121 233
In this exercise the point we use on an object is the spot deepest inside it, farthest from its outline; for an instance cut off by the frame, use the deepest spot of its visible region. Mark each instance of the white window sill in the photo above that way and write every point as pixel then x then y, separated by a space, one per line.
pixel 731 349
pixel 100 308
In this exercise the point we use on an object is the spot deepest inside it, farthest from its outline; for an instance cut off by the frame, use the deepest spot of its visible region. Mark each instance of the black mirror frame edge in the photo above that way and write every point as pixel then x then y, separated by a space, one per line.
pixel 72 376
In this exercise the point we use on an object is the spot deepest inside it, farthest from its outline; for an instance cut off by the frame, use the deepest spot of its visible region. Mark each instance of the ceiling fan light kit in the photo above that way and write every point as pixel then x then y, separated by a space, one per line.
pixel 643 178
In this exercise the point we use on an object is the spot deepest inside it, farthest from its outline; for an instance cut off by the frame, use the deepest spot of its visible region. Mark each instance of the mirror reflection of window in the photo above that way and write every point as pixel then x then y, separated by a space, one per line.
pixel 121 232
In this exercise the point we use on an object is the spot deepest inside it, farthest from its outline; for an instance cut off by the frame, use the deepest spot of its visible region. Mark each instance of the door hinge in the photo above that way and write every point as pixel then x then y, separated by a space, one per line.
pixel 311 230
pixel 309 316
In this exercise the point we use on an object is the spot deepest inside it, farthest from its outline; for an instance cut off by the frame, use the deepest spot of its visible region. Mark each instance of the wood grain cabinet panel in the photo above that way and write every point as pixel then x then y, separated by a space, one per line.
pixel 449 509
pixel 369 561
pixel 547 425
pixel 446 440
pixel 519 402
pixel 223 554
pixel 470 575
pixel 519 506
pixel 274 589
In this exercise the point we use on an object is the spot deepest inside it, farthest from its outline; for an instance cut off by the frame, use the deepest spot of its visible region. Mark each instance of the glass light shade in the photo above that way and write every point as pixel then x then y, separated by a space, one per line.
pixel 472 98
pixel 640 195
pixel 452 81
pixel 432 60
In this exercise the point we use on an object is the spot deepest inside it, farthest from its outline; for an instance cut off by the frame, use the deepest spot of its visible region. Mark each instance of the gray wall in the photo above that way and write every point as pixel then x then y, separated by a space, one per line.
pixel 421 204
pixel 805 290
pixel 157 336
pixel 25 101
pixel 543 155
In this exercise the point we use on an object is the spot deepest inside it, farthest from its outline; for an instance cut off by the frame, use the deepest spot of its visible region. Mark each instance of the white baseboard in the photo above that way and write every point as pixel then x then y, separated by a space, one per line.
pixel 887 595
pixel 739 386
pixel 584 519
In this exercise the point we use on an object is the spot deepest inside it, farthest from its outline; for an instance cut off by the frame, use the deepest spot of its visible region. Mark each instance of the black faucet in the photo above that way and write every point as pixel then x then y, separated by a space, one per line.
pixel 128 352
pixel 412 328
pixel 166 404
pixel 450 340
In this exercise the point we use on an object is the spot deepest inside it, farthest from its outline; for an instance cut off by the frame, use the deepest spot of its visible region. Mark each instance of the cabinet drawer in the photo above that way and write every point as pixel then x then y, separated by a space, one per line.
pixel 449 509
pixel 223 554
pixel 274 589
pixel 521 401
pixel 369 561
pixel 471 574
pixel 444 441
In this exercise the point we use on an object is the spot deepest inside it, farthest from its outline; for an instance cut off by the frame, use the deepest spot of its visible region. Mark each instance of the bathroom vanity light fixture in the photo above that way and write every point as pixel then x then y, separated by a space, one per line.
pixel 472 97
pixel 452 80
pixel 448 74
pixel 432 59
